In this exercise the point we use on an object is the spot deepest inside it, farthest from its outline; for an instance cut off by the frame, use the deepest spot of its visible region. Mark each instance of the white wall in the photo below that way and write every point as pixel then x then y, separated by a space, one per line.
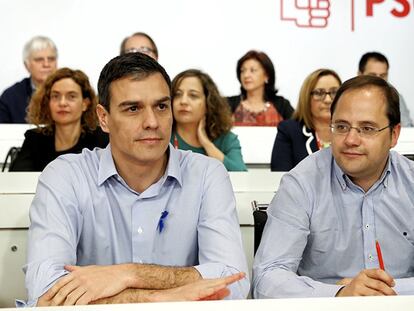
pixel 212 35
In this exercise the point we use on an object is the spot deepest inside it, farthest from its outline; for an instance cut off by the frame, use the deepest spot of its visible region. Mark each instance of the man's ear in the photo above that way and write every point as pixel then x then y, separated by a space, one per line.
pixel 26 66
pixel 395 134
pixel 103 115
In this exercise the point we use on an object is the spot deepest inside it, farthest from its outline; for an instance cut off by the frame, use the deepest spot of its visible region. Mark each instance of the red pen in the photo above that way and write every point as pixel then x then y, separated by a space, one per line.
pixel 379 254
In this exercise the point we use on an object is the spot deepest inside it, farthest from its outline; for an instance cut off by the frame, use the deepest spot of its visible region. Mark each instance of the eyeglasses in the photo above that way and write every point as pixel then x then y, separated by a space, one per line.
pixel 320 94
pixel 363 131
pixel 142 49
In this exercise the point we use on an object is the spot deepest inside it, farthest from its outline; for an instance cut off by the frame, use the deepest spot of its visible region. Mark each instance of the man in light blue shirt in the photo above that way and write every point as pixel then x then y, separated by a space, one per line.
pixel 329 211
pixel 139 220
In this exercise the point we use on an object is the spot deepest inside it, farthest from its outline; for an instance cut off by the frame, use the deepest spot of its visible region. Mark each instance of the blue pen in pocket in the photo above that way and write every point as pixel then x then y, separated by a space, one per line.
pixel 161 222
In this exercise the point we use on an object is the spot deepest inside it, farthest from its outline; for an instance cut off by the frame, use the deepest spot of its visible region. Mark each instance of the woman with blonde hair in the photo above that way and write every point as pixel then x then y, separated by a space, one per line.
pixel 309 130
pixel 63 110
pixel 202 120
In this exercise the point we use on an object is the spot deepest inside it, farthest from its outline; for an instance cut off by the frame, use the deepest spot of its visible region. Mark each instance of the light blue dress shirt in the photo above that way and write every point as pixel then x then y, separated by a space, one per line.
pixel 84 213
pixel 321 228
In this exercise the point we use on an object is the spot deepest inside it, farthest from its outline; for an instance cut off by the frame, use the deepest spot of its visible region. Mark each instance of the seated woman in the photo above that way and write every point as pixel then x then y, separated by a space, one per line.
pixel 258 104
pixel 202 120
pixel 309 130
pixel 63 110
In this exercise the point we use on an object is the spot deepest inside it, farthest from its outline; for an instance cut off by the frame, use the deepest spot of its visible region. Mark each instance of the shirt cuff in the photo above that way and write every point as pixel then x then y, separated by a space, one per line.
pixel 404 286
pixel 210 270
pixel 326 290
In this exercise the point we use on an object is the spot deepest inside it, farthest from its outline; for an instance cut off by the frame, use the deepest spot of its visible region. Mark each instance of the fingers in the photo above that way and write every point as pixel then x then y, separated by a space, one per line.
pixel 56 288
pixel 73 297
pixel 220 294
pixel 64 292
pixel 234 278
pixel 372 282
pixel 381 275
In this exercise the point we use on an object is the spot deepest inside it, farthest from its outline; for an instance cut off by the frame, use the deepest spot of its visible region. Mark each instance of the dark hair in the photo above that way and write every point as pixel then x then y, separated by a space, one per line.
pixel 218 114
pixel 39 111
pixel 303 108
pixel 270 90
pixel 371 55
pixel 137 66
pixel 139 34
pixel 390 94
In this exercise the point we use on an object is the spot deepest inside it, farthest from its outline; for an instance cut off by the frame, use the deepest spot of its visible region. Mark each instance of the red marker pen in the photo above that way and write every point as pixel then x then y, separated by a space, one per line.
pixel 379 254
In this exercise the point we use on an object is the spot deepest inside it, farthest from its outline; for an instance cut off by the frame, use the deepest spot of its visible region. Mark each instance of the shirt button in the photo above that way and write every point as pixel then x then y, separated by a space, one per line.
pixel 370 257
pixel 367 226
pixel 140 230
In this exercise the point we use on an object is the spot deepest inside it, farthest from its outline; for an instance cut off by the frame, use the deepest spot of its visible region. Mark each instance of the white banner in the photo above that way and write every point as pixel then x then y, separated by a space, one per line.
pixel 299 36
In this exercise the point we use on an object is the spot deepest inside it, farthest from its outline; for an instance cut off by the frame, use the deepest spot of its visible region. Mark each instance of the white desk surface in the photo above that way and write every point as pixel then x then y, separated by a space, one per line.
pixel 403 303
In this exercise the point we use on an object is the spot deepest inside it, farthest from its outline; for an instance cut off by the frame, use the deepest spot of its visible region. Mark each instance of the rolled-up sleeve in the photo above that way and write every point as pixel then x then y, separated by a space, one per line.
pixel 219 239
pixel 284 240
pixel 53 232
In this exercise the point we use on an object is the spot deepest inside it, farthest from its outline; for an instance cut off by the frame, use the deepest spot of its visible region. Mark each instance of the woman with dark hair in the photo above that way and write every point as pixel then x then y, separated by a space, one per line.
pixel 63 109
pixel 202 120
pixel 309 130
pixel 258 104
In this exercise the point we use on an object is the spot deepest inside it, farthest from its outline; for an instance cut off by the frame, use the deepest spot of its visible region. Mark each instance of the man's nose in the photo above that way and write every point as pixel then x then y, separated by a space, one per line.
pixel 353 138
pixel 150 119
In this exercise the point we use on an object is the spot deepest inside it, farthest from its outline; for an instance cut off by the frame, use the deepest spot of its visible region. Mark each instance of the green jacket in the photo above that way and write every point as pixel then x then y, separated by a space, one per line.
pixel 228 143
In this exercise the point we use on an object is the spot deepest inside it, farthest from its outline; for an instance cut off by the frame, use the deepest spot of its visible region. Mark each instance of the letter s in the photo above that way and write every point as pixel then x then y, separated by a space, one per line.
pixel 405 9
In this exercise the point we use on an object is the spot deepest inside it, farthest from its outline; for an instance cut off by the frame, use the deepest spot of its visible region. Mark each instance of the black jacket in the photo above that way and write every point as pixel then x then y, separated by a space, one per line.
pixel 14 101
pixel 294 142
pixel 38 149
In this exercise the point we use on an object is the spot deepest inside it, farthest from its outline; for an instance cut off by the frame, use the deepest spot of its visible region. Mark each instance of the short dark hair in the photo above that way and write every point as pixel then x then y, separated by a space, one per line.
pixel 139 34
pixel 371 55
pixel 137 65
pixel 270 90
pixel 390 94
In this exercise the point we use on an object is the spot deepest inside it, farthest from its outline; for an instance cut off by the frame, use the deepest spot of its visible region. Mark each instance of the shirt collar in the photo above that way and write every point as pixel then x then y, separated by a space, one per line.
pixel 107 167
pixel 345 181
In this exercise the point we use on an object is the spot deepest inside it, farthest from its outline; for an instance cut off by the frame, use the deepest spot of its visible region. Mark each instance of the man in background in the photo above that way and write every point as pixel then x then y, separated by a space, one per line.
pixel 40 59
pixel 139 42
pixel 376 64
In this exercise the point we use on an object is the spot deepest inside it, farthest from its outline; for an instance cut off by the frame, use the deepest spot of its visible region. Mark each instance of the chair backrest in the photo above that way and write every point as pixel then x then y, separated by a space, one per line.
pixel 260 218
pixel 10 157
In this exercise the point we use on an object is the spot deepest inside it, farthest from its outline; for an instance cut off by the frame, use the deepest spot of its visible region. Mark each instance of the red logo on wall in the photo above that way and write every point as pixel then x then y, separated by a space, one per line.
pixel 316 13
pixel 306 13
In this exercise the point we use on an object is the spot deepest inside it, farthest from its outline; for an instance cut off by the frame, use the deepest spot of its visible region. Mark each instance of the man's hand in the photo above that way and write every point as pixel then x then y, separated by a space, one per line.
pixel 372 282
pixel 206 289
pixel 85 284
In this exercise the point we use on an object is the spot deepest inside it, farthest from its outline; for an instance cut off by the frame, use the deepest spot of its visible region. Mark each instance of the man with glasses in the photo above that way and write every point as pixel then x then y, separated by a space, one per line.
pixel 40 59
pixel 329 211
pixel 139 42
